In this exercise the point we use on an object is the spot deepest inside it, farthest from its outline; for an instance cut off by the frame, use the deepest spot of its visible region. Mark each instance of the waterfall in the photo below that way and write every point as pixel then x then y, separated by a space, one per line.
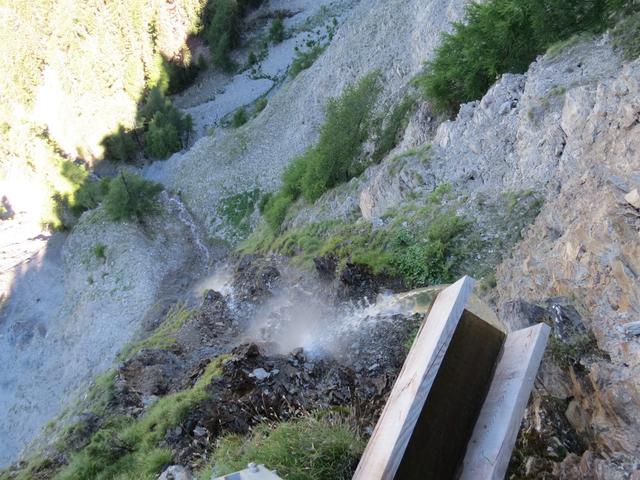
pixel 187 219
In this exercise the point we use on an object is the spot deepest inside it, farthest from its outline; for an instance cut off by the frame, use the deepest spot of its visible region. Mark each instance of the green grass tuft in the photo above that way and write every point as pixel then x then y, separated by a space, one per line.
pixel 304 59
pixel 240 117
pixel 306 449
pixel 237 209
pixel 163 336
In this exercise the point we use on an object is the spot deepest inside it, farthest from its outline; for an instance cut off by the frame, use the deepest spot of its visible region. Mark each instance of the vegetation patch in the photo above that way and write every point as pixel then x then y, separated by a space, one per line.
pixel 100 252
pixel 392 127
pixel 423 245
pixel 260 105
pixel 500 36
pixel 276 31
pixel 82 193
pixel 305 58
pixel 336 158
pixel 131 198
pixel 223 27
pixel 240 117
pixel 126 448
pixel 236 210
pixel 626 37
pixel 569 352
pixel 163 337
pixel 310 448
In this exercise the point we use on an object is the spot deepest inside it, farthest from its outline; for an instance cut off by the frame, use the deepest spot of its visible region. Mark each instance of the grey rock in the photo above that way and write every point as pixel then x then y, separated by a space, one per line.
pixel 200 431
pixel 175 472
pixel 631 328
pixel 260 374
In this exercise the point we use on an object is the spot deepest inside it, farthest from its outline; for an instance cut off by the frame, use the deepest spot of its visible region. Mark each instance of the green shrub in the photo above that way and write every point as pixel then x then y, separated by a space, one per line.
pixel 86 192
pixel 420 245
pixel 429 262
pixel 240 117
pixel 335 159
pixel 344 131
pixel 276 208
pixel 162 138
pixel 304 59
pixel 305 449
pixel 501 36
pixel 237 209
pixel 223 33
pixel 100 251
pixel 276 32
pixel 155 101
pixel 167 131
pixel 131 198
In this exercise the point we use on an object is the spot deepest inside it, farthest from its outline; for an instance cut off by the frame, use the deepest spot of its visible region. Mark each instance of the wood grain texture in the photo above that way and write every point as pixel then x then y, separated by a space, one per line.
pixel 387 445
pixel 495 432
pixel 449 414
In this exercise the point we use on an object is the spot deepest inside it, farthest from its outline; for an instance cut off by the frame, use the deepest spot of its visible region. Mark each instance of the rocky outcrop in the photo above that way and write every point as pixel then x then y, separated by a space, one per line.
pixel 568 130
pixel 584 245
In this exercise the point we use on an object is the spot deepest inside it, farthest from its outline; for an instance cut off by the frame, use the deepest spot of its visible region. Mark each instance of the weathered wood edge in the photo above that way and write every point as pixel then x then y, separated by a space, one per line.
pixel 494 435
pixel 389 440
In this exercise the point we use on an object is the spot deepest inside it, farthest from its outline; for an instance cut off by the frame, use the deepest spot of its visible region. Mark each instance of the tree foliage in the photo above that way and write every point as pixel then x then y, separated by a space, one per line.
pixel 501 36
pixel 131 198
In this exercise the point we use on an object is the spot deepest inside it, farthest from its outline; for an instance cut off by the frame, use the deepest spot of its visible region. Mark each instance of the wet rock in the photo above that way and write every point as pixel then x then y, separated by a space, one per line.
pixel 326 266
pixel 358 282
pixel 213 324
pixel 631 328
pixel 148 375
pixel 254 279
pixel 518 314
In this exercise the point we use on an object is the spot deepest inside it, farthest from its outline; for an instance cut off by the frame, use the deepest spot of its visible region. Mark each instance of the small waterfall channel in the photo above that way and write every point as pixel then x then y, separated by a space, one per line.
pixel 187 219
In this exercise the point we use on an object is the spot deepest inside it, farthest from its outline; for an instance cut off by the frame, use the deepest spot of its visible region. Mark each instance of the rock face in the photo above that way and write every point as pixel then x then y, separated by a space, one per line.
pixel 569 130
pixel 585 245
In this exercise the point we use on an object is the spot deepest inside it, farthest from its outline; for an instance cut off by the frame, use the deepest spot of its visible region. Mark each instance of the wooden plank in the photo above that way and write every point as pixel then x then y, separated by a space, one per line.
pixel 495 432
pixel 387 445
pixel 449 414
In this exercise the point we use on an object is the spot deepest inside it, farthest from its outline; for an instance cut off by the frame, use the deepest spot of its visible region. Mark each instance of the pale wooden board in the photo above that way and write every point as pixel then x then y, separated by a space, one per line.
pixel 389 440
pixel 495 432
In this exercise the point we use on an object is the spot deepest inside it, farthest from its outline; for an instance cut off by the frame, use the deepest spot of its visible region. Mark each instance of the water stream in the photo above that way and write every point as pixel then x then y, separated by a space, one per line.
pixel 187 219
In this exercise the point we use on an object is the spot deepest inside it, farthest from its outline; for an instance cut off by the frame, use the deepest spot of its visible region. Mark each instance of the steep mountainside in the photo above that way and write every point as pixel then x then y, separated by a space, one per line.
pixel 206 319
